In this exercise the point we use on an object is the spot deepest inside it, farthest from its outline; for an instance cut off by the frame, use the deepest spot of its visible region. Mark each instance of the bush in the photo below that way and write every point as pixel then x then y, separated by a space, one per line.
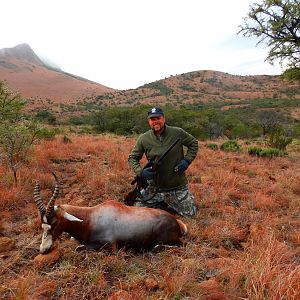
pixel 254 151
pixel 75 120
pixel 66 139
pixel 212 146
pixel 231 146
pixel 278 139
pixel 45 116
pixel 297 131
pixel 46 133
pixel 292 73
pixel 267 152
pixel 272 152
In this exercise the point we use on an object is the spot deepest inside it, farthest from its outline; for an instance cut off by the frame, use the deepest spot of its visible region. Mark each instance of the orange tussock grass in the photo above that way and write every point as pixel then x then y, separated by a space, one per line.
pixel 243 238
pixel 178 280
pixel 219 231
pixel 264 271
pixel 269 270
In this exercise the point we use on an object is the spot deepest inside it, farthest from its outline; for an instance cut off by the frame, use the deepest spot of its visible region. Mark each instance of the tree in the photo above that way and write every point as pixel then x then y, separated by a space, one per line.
pixel 15 143
pixel 10 104
pixel 16 133
pixel 277 23
pixel 279 138
pixel 213 130
pixel 268 121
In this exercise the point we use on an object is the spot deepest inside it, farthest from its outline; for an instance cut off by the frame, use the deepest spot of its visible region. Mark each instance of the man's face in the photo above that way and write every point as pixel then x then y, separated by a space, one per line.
pixel 157 123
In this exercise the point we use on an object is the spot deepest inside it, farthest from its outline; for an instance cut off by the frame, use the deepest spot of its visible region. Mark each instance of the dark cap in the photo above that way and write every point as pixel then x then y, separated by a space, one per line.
pixel 155 112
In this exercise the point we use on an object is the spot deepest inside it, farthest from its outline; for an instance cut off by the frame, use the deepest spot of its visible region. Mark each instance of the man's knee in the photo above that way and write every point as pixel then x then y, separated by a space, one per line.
pixel 187 209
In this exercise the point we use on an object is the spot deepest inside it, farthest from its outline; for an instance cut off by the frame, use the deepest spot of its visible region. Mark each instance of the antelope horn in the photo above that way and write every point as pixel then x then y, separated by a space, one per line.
pixel 38 200
pixel 50 206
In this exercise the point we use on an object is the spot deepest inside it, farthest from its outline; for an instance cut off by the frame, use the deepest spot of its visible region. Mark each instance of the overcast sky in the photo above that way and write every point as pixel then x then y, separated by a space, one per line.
pixel 124 44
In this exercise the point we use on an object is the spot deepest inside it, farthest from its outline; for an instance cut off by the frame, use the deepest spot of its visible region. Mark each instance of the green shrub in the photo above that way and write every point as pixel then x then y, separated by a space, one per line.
pixel 45 116
pixel 297 131
pixel 77 120
pixel 272 152
pixel 212 146
pixel 187 87
pixel 230 146
pixel 278 139
pixel 255 151
pixel 292 73
pixel 47 133
pixel 159 85
pixel 66 139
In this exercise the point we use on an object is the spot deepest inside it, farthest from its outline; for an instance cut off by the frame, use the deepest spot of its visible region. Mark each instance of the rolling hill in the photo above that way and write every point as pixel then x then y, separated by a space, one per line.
pixel 208 86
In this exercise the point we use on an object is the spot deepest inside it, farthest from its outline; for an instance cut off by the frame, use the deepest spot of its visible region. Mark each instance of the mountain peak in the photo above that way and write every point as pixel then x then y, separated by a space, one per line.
pixel 21 52
pixel 31 77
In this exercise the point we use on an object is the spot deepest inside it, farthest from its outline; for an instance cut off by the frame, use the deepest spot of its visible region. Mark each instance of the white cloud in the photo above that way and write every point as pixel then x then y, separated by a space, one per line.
pixel 124 44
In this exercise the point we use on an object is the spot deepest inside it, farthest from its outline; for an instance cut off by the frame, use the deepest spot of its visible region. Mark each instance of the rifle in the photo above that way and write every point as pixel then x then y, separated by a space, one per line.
pixel 142 183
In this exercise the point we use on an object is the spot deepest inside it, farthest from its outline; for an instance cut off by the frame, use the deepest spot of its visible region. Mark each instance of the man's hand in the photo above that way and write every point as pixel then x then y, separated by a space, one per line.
pixel 148 174
pixel 182 166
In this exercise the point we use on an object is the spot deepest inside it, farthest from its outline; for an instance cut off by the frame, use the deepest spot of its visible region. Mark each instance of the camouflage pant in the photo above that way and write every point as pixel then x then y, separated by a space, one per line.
pixel 181 200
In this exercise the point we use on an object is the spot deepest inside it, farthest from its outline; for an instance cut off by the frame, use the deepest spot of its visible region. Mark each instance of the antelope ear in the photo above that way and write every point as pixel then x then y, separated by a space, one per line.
pixel 70 217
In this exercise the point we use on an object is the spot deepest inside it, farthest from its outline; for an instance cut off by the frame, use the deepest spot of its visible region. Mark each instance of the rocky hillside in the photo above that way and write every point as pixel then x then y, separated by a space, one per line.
pixel 50 88
pixel 28 75
pixel 207 86
pixel 203 89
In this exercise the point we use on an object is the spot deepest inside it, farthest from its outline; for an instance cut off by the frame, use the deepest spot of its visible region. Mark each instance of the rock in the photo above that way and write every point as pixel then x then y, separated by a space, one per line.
pixel 6 244
pixel 48 259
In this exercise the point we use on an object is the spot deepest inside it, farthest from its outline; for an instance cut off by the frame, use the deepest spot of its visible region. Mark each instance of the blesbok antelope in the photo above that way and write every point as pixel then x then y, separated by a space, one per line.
pixel 108 225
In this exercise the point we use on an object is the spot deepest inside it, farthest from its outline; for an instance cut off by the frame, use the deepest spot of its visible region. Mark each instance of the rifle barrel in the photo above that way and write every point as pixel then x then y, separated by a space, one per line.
pixel 167 151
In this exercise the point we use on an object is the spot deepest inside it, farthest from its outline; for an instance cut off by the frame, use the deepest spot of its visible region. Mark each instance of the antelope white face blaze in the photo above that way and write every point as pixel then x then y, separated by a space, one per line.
pixel 70 217
pixel 47 240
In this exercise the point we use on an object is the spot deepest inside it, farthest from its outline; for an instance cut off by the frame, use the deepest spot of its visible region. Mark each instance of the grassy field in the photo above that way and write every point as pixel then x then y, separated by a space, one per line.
pixel 244 242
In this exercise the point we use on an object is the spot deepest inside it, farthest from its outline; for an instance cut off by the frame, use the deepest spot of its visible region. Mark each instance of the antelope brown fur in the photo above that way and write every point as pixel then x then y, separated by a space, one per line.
pixel 108 225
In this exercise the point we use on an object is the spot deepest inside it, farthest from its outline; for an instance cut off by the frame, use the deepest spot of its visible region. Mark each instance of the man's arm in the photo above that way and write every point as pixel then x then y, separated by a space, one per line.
pixel 192 145
pixel 135 156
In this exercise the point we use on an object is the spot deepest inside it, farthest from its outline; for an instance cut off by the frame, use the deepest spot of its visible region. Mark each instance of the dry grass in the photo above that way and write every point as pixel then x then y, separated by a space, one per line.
pixel 244 242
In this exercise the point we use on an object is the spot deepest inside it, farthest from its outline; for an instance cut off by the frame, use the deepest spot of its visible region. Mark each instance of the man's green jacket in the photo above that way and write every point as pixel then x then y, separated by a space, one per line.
pixel 154 146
